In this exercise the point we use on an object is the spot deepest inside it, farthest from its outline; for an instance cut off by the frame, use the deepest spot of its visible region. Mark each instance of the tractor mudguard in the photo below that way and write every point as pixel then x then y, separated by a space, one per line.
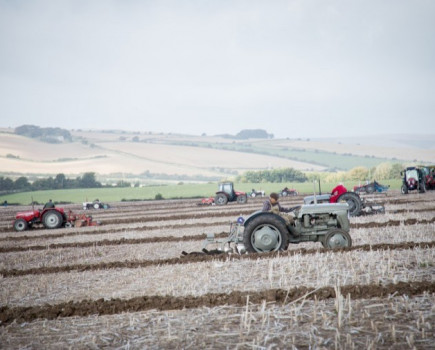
pixel 259 213
pixel 219 192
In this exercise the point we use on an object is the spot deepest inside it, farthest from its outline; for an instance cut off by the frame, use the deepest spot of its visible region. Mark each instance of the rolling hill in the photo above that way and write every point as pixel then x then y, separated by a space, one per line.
pixel 116 154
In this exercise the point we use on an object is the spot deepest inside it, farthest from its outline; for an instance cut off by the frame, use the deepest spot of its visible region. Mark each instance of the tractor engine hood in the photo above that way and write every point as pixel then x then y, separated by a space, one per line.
pixel 27 214
pixel 320 197
pixel 322 208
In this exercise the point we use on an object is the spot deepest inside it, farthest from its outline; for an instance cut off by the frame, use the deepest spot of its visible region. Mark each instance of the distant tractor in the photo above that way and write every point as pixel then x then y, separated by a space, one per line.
pixel 371 188
pixel 339 194
pixel 50 218
pixel 254 193
pixel 226 193
pixel 288 192
pixel 96 204
pixel 429 176
pixel 413 180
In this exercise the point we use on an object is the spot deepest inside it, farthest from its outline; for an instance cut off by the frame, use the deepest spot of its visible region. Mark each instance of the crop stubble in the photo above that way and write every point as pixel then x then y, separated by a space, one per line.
pixel 393 273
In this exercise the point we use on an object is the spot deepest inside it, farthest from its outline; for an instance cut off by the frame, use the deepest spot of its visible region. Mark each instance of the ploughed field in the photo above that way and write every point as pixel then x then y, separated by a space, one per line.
pixel 125 284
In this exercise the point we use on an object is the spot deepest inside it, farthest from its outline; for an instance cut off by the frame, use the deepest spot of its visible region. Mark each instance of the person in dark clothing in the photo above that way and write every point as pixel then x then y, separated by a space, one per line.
pixel 272 205
pixel 49 204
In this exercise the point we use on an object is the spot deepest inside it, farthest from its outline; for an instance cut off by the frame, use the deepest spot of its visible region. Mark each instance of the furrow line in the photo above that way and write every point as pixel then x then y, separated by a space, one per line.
pixel 116 306
pixel 196 257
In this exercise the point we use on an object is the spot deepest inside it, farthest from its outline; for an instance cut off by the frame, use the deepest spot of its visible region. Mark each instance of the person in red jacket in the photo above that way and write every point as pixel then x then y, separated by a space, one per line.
pixel 337 192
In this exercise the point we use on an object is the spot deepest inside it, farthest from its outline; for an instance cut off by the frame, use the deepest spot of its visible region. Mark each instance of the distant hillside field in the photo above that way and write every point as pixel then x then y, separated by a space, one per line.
pixel 120 154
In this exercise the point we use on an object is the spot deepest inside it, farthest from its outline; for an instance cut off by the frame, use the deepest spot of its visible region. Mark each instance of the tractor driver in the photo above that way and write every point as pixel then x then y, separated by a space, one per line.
pixel 273 206
pixel 49 204
pixel 337 192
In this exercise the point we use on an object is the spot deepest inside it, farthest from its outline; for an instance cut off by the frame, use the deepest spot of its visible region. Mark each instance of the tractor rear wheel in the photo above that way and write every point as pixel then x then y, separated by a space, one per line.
pixel 221 199
pixel 337 238
pixel 370 188
pixel 242 199
pixel 353 201
pixel 20 225
pixel 52 219
pixel 265 233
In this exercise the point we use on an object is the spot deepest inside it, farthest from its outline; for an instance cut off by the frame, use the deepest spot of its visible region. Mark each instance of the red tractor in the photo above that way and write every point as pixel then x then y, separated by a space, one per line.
pixel 288 192
pixel 413 179
pixel 226 193
pixel 429 176
pixel 50 218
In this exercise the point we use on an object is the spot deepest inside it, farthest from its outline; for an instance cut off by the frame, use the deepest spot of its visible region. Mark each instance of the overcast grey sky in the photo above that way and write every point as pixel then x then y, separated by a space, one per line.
pixel 296 68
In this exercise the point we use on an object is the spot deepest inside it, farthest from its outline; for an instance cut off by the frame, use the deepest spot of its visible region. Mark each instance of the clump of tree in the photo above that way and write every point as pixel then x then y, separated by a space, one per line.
pixel 22 183
pixel 276 175
pixel 249 134
pixel 50 135
pixel 383 171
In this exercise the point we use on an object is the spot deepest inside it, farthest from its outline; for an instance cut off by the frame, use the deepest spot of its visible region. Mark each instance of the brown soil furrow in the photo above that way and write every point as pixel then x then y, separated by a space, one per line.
pixel 199 257
pixel 108 242
pixel 144 219
pixel 406 222
pixel 108 231
pixel 238 298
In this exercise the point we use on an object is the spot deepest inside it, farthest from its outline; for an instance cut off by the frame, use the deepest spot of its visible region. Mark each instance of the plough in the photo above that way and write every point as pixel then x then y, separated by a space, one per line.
pixel 235 236
pixel 371 188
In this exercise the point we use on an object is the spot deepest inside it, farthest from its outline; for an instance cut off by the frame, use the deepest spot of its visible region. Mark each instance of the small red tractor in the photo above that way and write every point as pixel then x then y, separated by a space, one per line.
pixel 225 194
pixel 51 218
pixel 288 192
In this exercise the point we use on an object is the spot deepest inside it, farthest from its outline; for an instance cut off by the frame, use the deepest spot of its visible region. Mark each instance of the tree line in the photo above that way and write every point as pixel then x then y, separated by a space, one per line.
pixel 383 171
pixel 275 175
pixel 50 135
pixel 60 181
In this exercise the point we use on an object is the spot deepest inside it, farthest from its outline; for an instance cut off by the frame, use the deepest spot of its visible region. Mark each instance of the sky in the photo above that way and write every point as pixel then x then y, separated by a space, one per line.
pixel 295 68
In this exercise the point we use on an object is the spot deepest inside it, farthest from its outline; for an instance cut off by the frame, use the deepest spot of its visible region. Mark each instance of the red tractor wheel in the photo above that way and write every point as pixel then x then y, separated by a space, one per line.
pixel 52 219
pixel 221 199
pixel 20 225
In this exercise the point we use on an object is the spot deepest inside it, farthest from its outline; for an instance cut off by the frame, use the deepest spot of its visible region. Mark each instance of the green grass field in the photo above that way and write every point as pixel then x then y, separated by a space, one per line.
pixel 328 159
pixel 166 191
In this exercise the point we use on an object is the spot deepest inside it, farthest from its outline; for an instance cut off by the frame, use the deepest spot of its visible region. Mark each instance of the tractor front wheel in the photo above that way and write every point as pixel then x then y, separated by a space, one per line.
pixel 337 238
pixel 20 225
pixel 52 219
pixel 242 199
pixel 221 199
pixel 265 233
pixel 404 189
